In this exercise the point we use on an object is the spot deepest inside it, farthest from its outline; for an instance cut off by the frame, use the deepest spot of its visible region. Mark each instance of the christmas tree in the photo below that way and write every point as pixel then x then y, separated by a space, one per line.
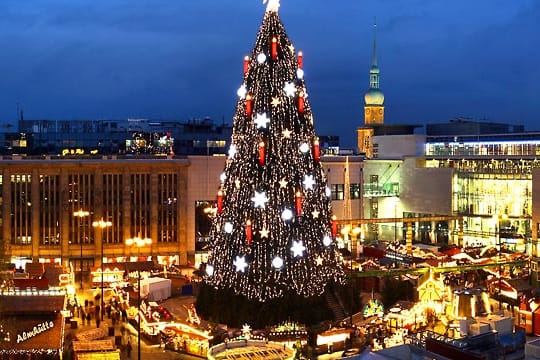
pixel 272 240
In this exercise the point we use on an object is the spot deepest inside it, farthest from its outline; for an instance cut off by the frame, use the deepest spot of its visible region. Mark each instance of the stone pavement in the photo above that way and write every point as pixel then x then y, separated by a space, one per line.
pixel 177 306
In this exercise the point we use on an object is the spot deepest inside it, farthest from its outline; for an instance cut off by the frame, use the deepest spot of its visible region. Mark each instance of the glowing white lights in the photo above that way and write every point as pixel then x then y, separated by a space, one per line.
pixel 327 240
pixel 308 182
pixel 304 148
pixel 261 120
pixel 287 215
pixel 298 248
pixel 261 58
pixel 246 331
pixel 232 151
pixel 272 6
pixel 241 92
pixel 328 192
pixel 240 263
pixel 228 227
pixel 274 178
pixel 259 199
pixel 289 89
pixel 277 263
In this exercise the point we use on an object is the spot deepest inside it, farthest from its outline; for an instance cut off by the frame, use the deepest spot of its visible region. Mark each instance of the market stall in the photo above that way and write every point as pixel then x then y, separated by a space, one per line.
pixel 96 349
pixel 185 338
pixel 35 324
pixel 155 289
pixel 406 315
pixel 111 274
pixel 153 318
pixel 288 333
pixel 333 340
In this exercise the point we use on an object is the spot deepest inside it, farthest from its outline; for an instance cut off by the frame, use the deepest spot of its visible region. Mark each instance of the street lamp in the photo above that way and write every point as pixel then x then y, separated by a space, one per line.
pixel 81 214
pixel 138 242
pixel 498 238
pixel 356 232
pixel 102 225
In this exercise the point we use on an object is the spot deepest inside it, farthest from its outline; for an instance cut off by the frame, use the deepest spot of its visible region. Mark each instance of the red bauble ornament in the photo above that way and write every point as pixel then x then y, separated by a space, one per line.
pixel 300 60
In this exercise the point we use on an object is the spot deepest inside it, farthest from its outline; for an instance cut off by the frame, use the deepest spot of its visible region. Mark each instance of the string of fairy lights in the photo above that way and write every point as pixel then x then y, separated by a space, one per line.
pixel 273 231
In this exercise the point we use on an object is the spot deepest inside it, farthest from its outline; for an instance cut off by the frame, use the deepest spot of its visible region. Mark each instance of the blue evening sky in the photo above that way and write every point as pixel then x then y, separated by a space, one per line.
pixel 181 59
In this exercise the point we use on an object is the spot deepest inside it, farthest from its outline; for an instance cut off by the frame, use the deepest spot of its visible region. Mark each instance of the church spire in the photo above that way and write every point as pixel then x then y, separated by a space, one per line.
pixel 374 55
pixel 374 104
pixel 374 71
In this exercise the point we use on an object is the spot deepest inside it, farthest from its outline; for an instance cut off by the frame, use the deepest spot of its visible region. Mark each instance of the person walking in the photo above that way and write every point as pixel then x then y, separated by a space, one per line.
pixel 128 349
pixel 97 314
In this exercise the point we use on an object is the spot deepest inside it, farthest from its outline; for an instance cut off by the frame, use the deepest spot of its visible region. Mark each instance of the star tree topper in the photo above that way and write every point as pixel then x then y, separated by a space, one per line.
pixel 273 5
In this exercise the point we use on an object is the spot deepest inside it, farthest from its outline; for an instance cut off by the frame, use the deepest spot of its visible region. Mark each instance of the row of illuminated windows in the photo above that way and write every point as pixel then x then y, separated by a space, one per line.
pixel 338 191
pixel 483 149
pixel 77 194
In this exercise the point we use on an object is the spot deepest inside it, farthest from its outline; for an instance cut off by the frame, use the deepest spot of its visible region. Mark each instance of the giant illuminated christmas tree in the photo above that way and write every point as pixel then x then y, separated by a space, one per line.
pixel 272 240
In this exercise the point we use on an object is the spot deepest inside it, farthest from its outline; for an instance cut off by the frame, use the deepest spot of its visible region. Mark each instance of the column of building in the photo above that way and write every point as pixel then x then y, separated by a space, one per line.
pixel 126 211
pixel 6 203
pixel 98 213
pixel 154 218
pixel 181 230
pixel 35 214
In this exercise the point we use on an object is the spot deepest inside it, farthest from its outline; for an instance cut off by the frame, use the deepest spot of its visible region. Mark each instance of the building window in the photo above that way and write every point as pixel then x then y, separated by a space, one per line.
pixel 49 210
pixel 21 209
pixel 204 213
pixel 140 205
pixel 338 192
pixel 80 196
pixel 355 191
pixel 112 208
pixel 167 208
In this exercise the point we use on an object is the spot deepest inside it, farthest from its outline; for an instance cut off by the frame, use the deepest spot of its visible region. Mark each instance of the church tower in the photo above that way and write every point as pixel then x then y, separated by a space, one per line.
pixel 374 98
pixel 374 105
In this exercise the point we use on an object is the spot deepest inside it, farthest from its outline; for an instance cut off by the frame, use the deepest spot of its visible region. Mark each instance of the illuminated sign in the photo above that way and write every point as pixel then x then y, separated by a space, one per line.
pixel 36 330
pixel 66 152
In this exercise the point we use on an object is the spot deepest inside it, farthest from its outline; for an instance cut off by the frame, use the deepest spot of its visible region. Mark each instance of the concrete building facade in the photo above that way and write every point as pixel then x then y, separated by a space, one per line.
pixel 49 205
